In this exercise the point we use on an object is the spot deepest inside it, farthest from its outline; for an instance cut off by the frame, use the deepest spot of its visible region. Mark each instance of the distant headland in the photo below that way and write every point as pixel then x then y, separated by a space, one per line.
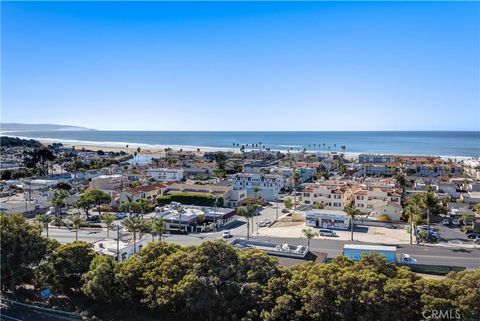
pixel 14 127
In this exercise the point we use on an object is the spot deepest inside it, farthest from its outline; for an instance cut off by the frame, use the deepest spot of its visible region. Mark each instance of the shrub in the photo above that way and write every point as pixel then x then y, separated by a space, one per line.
pixel 190 199
pixel 384 218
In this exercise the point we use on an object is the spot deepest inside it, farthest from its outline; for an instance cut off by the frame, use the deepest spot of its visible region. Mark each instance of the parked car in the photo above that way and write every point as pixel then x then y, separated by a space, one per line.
pixel 327 232
pixel 121 216
pixel 285 210
pixel 407 259
pixel 227 234
pixel 473 236
pixel 477 240
pixel 263 223
pixel 446 222
pixel 94 219
pixel 456 222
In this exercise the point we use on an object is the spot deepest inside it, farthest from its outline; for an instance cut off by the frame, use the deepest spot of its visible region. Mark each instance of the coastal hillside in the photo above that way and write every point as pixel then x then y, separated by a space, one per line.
pixel 14 127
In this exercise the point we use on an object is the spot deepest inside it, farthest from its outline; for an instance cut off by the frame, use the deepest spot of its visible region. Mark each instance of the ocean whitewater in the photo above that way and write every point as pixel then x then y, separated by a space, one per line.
pixel 435 143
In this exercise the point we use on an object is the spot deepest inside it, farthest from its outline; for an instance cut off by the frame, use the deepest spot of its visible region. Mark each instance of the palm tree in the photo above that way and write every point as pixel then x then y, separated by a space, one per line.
pixel 76 223
pixel 402 182
pixel 410 211
pixel 158 227
pixel 296 182
pixel 44 220
pixel 138 151
pixel 57 221
pixel 134 156
pixel 309 234
pixel 126 148
pixel 143 203
pixel 180 212
pixel 251 209
pixel 58 199
pixel 351 212
pixel 134 225
pixel 429 202
pixel 242 211
pixel 319 206
pixel 108 219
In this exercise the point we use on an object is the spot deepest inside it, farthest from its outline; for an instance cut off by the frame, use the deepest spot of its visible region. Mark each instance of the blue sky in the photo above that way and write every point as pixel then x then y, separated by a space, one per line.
pixel 242 66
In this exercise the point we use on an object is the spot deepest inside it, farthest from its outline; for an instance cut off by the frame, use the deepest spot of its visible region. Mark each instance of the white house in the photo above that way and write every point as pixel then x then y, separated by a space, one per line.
pixel 166 174
pixel 111 247
pixel 269 184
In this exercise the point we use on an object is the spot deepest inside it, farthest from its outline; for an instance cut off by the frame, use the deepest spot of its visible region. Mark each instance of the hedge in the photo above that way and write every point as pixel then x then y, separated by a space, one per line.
pixel 190 199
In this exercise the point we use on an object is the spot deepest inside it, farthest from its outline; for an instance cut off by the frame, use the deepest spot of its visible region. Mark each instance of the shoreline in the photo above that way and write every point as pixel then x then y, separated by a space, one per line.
pixel 159 150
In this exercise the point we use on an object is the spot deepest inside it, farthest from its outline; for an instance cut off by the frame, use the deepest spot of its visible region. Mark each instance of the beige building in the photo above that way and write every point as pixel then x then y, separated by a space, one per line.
pixel 335 195
pixel 109 182
pixel 379 200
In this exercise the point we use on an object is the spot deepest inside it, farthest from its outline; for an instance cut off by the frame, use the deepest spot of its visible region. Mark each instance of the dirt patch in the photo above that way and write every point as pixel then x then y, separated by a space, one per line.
pixel 283 224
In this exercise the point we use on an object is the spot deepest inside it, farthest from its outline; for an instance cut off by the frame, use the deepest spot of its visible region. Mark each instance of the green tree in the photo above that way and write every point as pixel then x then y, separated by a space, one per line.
pixel 22 249
pixel 144 205
pixel 134 225
pixel 296 183
pixel 319 206
pixel 429 203
pixel 158 227
pixel 108 219
pixel 309 234
pixel 44 221
pixel 58 199
pixel 288 203
pixel 76 221
pixel 68 264
pixel 242 211
pixel 351 212
pixel 99 282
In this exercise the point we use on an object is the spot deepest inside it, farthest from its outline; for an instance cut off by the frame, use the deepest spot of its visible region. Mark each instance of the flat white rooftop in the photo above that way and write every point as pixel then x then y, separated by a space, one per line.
pixel 370 247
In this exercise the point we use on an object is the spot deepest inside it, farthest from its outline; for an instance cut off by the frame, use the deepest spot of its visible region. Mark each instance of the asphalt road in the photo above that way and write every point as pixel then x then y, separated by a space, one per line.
pixel 447 252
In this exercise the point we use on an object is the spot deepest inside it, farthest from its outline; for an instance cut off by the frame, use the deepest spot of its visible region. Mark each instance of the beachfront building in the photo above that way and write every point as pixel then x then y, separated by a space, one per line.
pixel 166 174
pixel 376 158
pixel 334 195
pixel 269 184
pixel 115 182
pixel 324 218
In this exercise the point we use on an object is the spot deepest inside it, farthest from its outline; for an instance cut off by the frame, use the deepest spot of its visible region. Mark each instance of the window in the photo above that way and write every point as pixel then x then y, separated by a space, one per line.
pixel 306 194
pixel 307 202
pixel 360 205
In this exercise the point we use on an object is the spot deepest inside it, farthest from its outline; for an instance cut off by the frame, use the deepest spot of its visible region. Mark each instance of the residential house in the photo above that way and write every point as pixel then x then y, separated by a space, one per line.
pixel 334 195
pixel 166 174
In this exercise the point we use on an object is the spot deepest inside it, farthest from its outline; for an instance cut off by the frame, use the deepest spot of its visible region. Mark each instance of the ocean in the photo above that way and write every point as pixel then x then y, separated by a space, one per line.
pixel 438 143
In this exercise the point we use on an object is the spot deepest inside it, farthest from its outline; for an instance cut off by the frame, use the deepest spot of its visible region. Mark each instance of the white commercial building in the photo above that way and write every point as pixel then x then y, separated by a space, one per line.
pixel 323 218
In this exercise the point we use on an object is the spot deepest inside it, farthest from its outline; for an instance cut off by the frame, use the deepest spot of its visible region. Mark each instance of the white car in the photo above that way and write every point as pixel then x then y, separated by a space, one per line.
pixel 227 234
pixel 456 222
pixel 407 259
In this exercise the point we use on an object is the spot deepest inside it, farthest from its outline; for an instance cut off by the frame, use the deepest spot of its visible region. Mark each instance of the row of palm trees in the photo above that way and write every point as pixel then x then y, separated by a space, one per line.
pixel 261 146
pixel 156 227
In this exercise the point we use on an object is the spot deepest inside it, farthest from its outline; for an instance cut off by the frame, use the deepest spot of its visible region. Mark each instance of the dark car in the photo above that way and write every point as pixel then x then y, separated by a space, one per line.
pixel 473 236
pixel 94 219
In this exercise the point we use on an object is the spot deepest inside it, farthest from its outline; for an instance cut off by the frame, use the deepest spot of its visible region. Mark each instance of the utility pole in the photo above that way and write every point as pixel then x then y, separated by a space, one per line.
pixel 118 243
pixel 215 214
pixel 277 202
